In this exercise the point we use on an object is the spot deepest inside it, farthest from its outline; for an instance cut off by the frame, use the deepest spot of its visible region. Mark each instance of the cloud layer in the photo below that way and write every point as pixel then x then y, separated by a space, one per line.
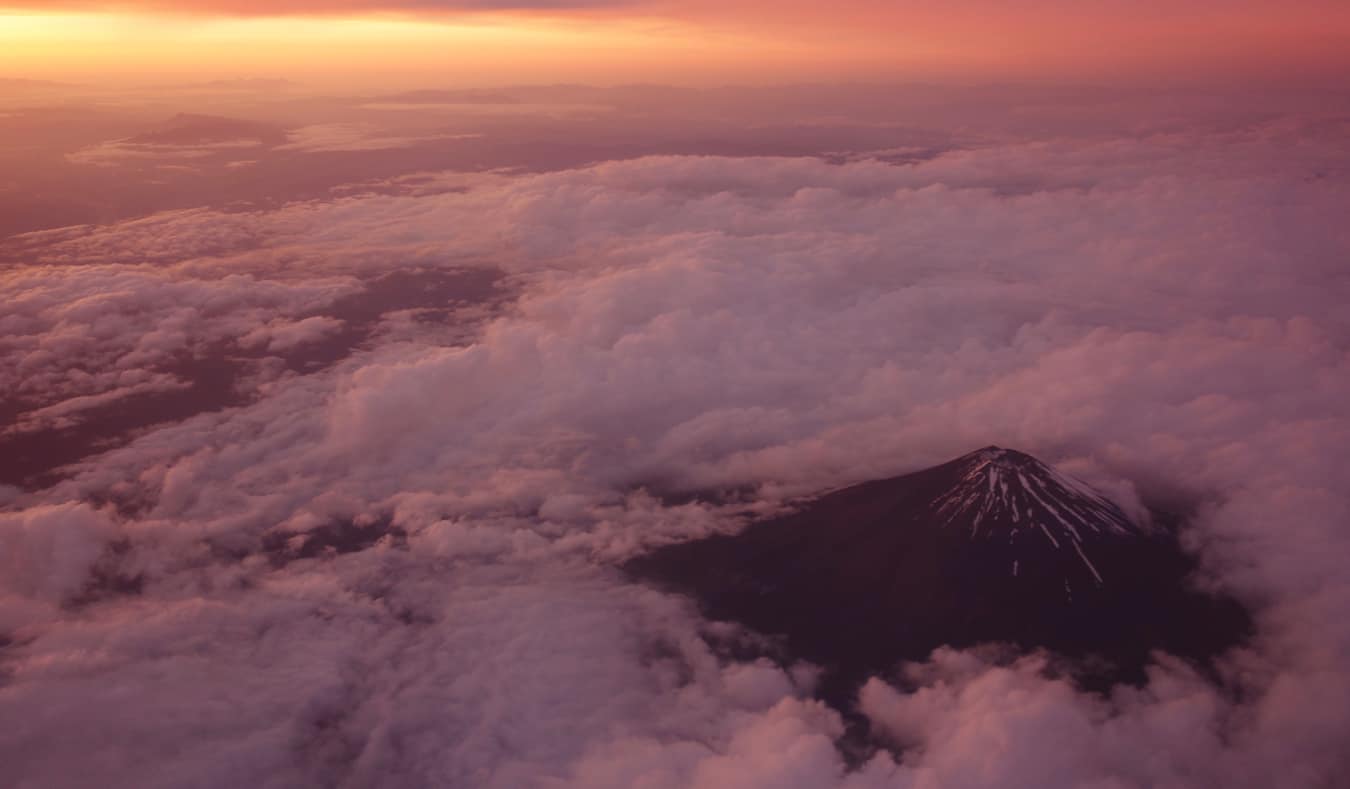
pixel 1163 315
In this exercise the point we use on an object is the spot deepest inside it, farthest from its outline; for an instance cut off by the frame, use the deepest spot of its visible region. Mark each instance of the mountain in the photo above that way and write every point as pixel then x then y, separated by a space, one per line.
pixel 994 546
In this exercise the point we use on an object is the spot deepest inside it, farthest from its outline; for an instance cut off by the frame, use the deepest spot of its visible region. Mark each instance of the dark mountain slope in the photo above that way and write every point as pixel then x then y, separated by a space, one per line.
pixel 994 546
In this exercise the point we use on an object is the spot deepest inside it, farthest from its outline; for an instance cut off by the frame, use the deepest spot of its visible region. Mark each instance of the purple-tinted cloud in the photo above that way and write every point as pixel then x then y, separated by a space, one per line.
pixel 1138 309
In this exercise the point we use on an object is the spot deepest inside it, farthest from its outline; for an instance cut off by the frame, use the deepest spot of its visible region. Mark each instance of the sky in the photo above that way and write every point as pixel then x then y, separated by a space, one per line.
pixel 348 349
pixel 696 42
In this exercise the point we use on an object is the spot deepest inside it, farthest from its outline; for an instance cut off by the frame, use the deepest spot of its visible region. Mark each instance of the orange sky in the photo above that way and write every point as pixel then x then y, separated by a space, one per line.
pixel 503 41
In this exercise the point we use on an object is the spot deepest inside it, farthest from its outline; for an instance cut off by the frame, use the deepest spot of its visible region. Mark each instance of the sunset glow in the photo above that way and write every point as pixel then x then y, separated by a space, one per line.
pixel 477 50
pixel 684 42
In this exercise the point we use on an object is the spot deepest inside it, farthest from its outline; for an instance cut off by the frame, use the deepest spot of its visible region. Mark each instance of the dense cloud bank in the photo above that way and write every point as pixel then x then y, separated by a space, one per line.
pixel 1161 315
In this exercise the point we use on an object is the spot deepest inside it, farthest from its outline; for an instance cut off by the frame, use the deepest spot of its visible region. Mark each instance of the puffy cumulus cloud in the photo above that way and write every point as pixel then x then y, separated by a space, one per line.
pixel 1161 314
pixel 79 338
pixel 464 675
pixel 789 745
pixel 48 554
pixel 974 723
pixel 169 237
pixel 284 335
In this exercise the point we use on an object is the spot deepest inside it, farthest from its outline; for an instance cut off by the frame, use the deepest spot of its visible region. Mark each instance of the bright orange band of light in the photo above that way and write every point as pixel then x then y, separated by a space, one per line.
pixel 747 41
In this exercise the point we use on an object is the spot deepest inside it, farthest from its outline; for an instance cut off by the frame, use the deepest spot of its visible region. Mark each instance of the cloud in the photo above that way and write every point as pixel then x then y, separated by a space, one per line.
pixel 973 723
pixel 184 137
pixel 121 152
pixel 287 335
pixel 49 550
pixel 330 137
pixel 68 412
pixel 80 337
pixel 1161 313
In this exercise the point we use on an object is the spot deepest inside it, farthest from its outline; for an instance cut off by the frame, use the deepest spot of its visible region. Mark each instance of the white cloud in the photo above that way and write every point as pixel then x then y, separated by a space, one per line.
pixel 115 153
pixel 48 552
pixel 283 335
pixel 76 338
pixel 1163 314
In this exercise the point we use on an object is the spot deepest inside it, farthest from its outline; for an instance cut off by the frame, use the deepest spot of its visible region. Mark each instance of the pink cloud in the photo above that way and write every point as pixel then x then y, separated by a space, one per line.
pixel 1138 308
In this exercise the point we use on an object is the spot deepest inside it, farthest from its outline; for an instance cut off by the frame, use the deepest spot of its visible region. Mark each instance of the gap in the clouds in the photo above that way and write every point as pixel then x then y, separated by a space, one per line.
pixel 217 376
pixel 33 459
pixel 108 579
pixel 336 538
pixel 670 493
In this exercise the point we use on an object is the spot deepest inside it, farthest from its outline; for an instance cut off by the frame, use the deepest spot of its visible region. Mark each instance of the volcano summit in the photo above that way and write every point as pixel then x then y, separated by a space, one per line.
pixel 994 546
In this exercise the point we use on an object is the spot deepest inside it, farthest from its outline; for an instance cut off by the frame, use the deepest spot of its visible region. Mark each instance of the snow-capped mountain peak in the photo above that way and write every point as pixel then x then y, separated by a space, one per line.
pixel 1004 494
pixel 994 546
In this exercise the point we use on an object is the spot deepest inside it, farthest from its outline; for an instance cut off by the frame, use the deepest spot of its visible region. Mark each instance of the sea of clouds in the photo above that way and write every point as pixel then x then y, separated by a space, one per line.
pixel 1162 314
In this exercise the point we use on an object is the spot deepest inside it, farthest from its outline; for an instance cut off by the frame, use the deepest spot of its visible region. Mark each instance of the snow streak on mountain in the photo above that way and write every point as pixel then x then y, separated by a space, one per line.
pixel 1015 496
